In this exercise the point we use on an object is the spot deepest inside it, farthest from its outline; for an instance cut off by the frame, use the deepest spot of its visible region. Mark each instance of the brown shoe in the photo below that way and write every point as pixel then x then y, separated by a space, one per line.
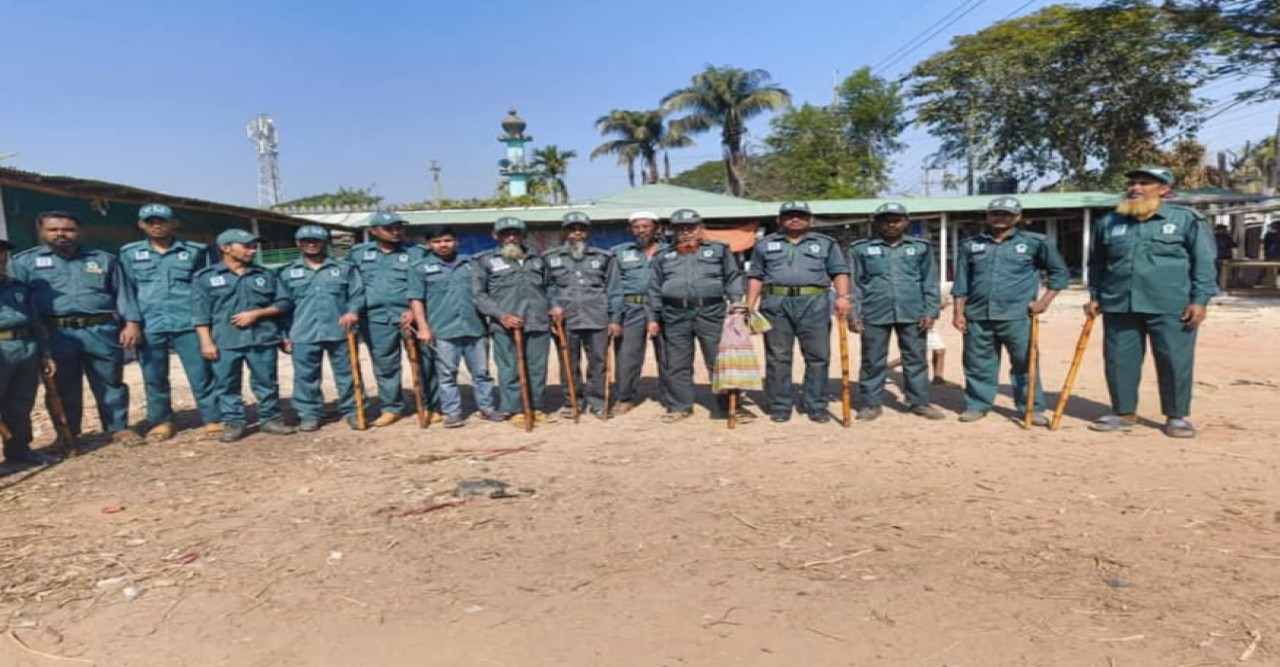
pixel 161 431
pixel 214 429
pixel 127 437
pixel 386 419
pixel 623 407
pixel 434 417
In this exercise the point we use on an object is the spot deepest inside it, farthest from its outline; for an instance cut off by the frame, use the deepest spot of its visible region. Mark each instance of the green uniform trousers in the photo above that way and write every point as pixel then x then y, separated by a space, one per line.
pixel 537 346
pixel 308 358
pixel 682 328
pixel 386 344
pixel 875 363
pixel 1124 347
pixel 590 343
pixel 91 353
pixel 808 320
pixel 630 353
pixel 982 346
pixel 153 357
pixel 19 378
pixel 263 382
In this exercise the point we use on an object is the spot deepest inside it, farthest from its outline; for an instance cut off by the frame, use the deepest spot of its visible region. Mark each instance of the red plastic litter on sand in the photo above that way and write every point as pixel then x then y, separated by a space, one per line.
pixel 185 559
pixel 113 509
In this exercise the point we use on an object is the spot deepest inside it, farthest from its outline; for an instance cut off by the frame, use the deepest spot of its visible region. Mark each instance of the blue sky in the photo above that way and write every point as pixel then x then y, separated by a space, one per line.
pixel 157 94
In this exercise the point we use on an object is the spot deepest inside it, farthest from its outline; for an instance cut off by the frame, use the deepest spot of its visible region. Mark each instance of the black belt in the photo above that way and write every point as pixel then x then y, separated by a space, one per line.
pixel 796 290
pixel 635 298
pixel 670 302
pixel 15 334
pixel 78 321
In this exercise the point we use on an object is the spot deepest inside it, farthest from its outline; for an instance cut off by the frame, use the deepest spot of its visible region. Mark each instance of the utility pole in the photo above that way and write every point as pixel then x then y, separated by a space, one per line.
pixel 435 183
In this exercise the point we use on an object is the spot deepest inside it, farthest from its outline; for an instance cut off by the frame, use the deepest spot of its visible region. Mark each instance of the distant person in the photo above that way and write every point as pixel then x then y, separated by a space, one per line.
pixel 1271 243
pixel 88 305
pixel 23 356
pixel 1225 245
pixel 1151 271
pixel 634 259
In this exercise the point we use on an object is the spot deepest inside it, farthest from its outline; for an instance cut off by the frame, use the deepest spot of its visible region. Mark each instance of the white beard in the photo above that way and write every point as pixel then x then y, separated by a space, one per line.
pixel 512 252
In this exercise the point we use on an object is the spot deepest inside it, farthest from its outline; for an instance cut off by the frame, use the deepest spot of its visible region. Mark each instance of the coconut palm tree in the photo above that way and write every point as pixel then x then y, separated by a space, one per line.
pixel 549 167
pixel 726 97
pixel 638 137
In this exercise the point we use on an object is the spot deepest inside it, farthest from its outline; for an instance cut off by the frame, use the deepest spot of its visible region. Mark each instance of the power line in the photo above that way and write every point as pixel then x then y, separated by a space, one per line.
pixel 915 40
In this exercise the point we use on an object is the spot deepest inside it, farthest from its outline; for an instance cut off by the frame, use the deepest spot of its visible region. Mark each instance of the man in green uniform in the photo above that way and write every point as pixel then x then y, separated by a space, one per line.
pixel 161 267
pixel 633 259
pixel 997 281
pixel 327 296
pixel 88 304
pixel 588 305
pixel 1151 277
pixel 795 268
pixel 511 287
pixel 384 264
pixel 446 318
pixel 22 359
pixel 690 286
pixel 895 291
pixel 237 308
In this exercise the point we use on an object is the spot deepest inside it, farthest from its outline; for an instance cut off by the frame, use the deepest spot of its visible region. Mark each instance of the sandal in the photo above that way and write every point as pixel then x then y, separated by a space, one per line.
pixel 1179 428
pixel 1113 423
pixel 673 417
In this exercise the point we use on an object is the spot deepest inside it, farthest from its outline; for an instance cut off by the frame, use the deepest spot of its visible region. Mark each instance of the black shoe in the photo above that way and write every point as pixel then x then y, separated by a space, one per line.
pixel 492 416
pixel 308 425
pixel 231 433
pixel 869 413
pixel 780 417
pixel 355 423
pixel 276 427
pixel 454 421
pixel 820 417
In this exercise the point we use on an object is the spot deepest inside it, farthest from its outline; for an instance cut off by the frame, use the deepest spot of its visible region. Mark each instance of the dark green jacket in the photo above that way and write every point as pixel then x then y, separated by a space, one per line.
pixel 1000 280
pixel 386 278
pixel 504 287
pixel 217 293
pixel 445 289
pixel 814 260
pixel 893 284
pixel 589 289
pixel 710 272
pixel 163 281
pixel 1158 266
pixel 92 282
pixel 320 296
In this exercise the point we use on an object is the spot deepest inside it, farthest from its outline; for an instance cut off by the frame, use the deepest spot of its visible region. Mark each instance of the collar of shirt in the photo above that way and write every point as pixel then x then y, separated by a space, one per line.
pixel 985 235
pixel 302 264
pixel 83 251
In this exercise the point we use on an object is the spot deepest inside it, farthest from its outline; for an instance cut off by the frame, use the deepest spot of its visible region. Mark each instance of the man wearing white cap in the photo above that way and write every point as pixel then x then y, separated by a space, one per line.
pixel 633 258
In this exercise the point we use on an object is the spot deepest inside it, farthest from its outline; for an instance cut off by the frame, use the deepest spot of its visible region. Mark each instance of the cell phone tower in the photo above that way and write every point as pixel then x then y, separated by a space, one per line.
pixel 262 132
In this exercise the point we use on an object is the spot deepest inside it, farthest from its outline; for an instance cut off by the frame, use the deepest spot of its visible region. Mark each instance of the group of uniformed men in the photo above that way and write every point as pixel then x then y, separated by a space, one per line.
pixel 70 311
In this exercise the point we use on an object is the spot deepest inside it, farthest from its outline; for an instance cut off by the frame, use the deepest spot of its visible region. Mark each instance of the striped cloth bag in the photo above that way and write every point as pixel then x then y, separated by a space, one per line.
pixel 736 366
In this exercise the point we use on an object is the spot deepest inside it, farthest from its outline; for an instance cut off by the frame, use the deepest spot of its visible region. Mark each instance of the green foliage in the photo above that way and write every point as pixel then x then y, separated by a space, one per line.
pixel 811 159
pixel 708 177
pixel 549 166
pixel 355 199
pixel 638 136
pixel 1081 94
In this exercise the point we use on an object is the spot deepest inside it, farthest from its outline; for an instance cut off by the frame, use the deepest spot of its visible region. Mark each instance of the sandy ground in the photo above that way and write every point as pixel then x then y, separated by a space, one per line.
pixel 900 542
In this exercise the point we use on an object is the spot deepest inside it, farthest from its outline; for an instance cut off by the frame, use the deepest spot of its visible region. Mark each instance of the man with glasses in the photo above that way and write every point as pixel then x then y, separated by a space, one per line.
pixel 1150 277
pixel 161 267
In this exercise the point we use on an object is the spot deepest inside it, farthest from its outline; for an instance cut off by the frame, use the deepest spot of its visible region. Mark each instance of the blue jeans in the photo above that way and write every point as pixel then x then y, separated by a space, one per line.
pixel 449 356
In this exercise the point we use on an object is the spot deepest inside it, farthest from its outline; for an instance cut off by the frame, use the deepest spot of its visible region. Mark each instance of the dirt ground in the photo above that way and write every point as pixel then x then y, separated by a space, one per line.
pixel 899 542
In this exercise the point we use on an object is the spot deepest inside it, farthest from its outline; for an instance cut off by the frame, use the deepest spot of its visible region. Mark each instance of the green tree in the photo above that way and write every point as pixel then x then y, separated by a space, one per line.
pixel 638 136
pixel 708 177
pixel 361 199
pixel 1080 94
pixel 874 115
pixel 811 158
pixel 726 97
pixel 549 166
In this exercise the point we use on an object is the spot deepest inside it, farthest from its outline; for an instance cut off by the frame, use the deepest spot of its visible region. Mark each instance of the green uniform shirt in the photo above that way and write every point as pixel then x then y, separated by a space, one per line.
pixel 445 290
pixel 589 289
pixel 386 277
pixel 814 260
pixel 893 283
pixel 1000 279
pixel 92 282
pixel 710 272
pixel 633 266
pixel 217 293
pixel 506 287
pixel 16 312
pixel 1158 266
pixel 163 281
pixel 320 296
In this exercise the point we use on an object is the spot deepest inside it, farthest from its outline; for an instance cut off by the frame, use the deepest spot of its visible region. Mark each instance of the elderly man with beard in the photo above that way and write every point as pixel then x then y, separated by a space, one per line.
pixel 588 305
pixel 633 259
pixel 688 290
pixel 511 287
pixel 1151 277
pixel 996 288
pixel 22 358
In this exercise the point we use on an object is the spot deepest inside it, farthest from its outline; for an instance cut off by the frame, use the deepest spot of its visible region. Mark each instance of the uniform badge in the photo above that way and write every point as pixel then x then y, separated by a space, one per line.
pixel 370 255
pixel 1168 228
pixel 815 248
pixel 431 268
pixel 911 251
pixel 670 255
pixel 498 263
pixel 217 281
pixel 44 262
pixel 874 250
pixel 184 256
pixel 92 267
pixel 708 253
pixel 1021 247
pixel 19 297
pixel 773 246
pixel 630 256
pixel 295 273
pixel 555 262
pixel 142 255
pixel 1119 230
pixel 260 281
pixel 335 272
pixel 977 247
pixel 404 257
pixel 595 263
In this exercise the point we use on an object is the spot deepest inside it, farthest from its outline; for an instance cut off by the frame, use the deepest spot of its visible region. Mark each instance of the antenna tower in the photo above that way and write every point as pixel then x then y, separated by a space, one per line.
pixel 262 132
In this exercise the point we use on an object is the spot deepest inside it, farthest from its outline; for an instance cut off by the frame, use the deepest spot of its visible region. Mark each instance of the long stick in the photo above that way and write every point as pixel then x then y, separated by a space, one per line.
pixel 57 411
pixel 845 400
pixel 733 408
pixel 357 378
pixel 415 369
pixel 1032 363
pixel 608 375
pixel 525 400
pixel 1081 345
pixel 568 367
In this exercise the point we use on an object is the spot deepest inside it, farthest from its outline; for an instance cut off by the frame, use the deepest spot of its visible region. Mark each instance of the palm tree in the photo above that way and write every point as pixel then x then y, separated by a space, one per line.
pixel 549 165
pixel 726 97
pixel 639 135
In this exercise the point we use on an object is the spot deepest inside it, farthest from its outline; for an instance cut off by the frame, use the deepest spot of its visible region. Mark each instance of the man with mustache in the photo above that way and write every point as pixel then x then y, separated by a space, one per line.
pixel 588 305
pixel 88 304
pixel 689 290
pixel 511 287
pixel 633 259
pixel 1151 277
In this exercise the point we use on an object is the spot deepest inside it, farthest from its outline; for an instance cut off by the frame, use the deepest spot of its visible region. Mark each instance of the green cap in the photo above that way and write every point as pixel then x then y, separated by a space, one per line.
pixel 794 207
pixel 1006 204
pixel 575 218
pixel 892 208
pixel 385 219
pixel 315 232
pixel 236 235
pixel 1159 173
pixel 509 222
pixel 155 211
pixel 685 216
